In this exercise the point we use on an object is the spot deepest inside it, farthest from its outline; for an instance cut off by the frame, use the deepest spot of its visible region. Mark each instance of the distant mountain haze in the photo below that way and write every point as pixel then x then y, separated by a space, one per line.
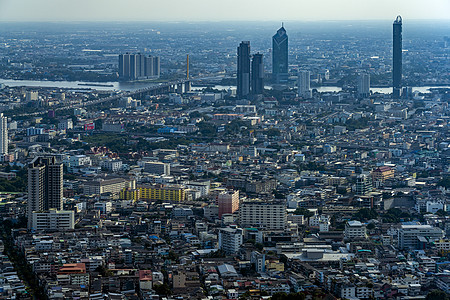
pixel 215 10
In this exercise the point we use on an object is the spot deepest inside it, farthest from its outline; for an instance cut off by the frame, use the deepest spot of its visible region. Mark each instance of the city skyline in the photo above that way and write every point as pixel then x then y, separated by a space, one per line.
pixel 202 10
pixel 224 160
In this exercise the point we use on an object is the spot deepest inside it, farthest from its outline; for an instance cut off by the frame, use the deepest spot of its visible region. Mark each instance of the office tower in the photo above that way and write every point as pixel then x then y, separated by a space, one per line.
pixel 397 58
pixel 228 202
pixel 45 186
pixel 280 55
pixel 3 135
pixel 257 74
pixel 243 70
pixel 138 66
pixel 304 89
pixel 364 85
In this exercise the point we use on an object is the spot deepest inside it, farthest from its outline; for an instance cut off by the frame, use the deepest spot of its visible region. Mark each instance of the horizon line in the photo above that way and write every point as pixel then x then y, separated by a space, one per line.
pixel 211 21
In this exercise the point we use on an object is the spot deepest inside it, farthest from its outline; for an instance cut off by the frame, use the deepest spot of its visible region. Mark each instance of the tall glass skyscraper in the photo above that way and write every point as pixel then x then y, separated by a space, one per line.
pixel 280 54
pixel 397 58
pixel 243 70
pixel 257 74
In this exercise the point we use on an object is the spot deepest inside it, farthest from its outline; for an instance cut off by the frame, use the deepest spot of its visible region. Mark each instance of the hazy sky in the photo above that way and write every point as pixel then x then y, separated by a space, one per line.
pixel 220 10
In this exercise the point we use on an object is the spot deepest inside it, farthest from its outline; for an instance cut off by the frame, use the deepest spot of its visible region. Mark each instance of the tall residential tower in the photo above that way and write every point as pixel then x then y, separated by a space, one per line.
pixel 243 70
pixel 257 81
pixel 303 83
pixel 138 66
pixel 3 135
pixel 364 85
pixel 397 58
pixel 45 186
pixel 280 55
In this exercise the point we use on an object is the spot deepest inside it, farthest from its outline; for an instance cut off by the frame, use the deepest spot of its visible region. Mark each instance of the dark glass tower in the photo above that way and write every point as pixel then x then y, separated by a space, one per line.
pixel 280 54
pixel 243 70
pixel 257 74
pixel 397 58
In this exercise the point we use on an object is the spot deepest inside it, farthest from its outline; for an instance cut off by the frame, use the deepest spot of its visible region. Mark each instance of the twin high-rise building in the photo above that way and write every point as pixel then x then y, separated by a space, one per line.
pixel 304 84
pixel 397 58
pixel 250 77
pixel 280 55
pixel 45 186
pixel 3 135
pixel 257 81
pixel 138 66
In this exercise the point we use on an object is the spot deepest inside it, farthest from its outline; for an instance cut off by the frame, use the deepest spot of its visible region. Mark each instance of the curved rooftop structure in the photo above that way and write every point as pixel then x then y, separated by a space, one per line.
pixel 398 20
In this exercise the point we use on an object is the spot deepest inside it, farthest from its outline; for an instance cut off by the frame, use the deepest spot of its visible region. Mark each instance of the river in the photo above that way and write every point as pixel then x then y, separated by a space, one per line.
pixel 101 86
pixel 131 86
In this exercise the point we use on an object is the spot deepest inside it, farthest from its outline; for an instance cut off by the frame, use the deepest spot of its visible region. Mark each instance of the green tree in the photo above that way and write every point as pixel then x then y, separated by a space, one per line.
pixel 445 182
pixel 303 211
pixel 365 214
pixel 437 295
pixel 162 289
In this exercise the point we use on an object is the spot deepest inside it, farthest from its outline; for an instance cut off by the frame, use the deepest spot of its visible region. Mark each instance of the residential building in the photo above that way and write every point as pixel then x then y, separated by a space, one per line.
pixel 52 220
pixel 230 239
pixel 415 236
pixel 113 165
pixel 228 202
pixel 138 66
pixel 363 184
pixel 65 124
pixel 45 185
pixel 355 230
pixel 156 167
pixel 269 215
pixel 113 185
pixel 257 80
pixel 3 135
pixel 162 192
pixel 364 85
pixel 381 174
pixel 303 84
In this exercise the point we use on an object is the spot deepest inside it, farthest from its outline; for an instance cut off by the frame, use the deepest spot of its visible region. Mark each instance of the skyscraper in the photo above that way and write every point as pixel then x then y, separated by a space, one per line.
pixel 45 186
pixel 364 85
pixel 3 134
pixel 304 89
pixel 243 70
pixel 138 66
pixel 257 81
pixel 280 55
pixel 397 58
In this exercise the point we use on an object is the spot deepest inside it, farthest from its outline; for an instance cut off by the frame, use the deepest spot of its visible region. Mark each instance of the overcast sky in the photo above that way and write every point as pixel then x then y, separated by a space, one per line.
pixel 220 10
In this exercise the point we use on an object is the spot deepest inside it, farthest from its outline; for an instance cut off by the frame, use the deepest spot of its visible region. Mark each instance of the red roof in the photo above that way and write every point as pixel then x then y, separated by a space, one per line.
pixel 145 275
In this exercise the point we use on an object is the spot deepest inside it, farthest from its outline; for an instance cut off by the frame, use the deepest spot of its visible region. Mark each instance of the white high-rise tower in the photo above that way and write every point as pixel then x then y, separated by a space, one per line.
pixel 304 89
pixel 3 135
pixel 364 85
